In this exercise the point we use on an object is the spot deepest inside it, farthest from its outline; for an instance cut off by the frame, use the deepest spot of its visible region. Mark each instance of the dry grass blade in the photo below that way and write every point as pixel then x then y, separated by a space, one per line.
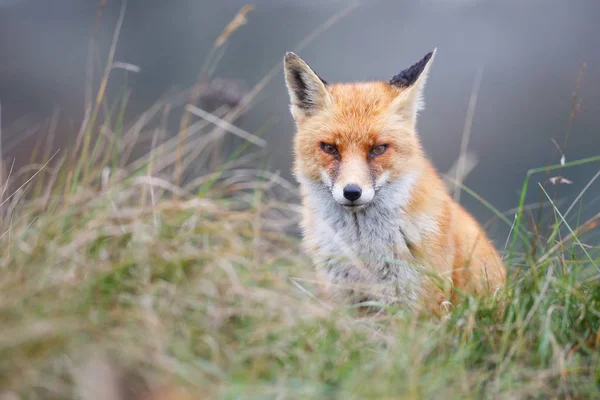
pixel 246 102
pixel 103 84
pixel 587 226
pixel 466 136
pixel 157 182
pixel 111 58
pixel 237 21
pixel 30 179
pixel 226 125
pixel 562 219
pixel 7 181
pixel 580 195
pixel 461 168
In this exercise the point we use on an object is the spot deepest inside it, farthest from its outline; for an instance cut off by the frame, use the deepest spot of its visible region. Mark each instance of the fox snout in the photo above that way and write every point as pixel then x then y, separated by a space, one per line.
pixel 351 186
pixel 352 196
pixel 352 192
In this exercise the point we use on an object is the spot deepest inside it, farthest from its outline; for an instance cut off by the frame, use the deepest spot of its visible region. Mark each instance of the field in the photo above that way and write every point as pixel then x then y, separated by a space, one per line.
pixel 120 275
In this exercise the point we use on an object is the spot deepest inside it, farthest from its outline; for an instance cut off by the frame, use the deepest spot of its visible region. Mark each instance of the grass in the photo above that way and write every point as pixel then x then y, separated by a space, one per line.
pixel 206 294
pixel 124 279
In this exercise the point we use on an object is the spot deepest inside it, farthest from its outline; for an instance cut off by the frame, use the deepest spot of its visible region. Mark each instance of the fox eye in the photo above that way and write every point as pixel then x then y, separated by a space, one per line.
pixel 329 149
pixel 378 150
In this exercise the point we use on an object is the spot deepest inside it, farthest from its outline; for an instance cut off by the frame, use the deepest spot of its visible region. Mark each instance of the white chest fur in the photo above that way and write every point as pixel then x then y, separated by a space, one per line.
pixel 364 254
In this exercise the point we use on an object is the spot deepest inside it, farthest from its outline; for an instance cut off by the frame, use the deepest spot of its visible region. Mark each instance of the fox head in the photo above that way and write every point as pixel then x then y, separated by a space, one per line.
pixel 354 139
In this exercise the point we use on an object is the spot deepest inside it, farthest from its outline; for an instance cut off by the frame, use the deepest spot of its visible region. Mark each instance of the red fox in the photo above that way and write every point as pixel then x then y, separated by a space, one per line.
pixel 377 220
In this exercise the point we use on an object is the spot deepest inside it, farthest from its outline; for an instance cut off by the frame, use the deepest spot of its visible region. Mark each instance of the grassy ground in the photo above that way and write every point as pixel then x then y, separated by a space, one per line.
pixel 123 279
pixel 204 293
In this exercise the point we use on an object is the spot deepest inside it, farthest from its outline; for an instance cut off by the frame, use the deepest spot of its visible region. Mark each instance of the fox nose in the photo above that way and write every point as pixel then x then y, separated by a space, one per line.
pixel 352 192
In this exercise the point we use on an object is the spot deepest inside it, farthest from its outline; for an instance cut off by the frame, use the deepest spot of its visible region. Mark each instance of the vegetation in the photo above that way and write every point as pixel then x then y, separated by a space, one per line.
pixel 117 275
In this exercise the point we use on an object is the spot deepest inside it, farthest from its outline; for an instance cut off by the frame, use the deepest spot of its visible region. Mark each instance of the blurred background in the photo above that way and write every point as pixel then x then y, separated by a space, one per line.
pixel 530 53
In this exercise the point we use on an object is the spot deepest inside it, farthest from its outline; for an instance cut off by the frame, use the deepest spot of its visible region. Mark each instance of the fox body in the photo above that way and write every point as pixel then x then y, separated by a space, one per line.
pixel 377 221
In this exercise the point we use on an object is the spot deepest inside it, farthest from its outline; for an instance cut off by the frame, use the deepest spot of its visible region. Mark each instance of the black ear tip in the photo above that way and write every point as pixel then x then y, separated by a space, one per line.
pixel 410 75
pixel 427 57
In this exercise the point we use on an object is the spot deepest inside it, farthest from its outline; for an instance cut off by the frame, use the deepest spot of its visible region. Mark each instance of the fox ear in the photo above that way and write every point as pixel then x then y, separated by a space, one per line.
pixel 410 83
pixel 308 92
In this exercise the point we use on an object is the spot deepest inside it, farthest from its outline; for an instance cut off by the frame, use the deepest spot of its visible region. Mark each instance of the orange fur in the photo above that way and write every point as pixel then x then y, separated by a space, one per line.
pixel 441 236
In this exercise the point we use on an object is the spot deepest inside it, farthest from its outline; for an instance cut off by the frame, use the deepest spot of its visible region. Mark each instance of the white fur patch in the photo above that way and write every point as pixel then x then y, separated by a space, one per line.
pixel 367 247
pixel 325 178
pixel 383 178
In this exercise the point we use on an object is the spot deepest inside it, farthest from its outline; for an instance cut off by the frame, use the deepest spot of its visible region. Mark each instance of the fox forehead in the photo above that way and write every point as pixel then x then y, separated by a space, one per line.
pixel 362 96
pixel 359 116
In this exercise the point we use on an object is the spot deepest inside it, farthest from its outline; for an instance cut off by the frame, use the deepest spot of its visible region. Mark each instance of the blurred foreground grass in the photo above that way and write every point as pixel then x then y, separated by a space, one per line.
pixel 206 293
pixel 120 278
